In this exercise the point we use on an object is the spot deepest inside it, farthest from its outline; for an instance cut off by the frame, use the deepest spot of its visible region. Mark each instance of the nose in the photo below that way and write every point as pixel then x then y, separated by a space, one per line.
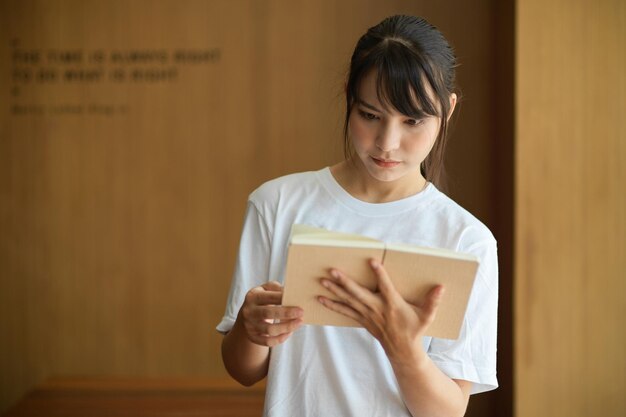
pixel 388 137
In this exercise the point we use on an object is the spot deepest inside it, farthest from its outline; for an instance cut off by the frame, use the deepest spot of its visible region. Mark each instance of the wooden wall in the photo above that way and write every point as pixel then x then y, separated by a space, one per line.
pixel 123 183
pixel 570 274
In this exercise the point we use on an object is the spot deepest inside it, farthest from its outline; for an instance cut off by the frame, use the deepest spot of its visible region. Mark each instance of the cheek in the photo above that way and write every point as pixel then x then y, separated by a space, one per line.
pixel 418 143
pixel 360 133
pixel 423 141
pixel 418 146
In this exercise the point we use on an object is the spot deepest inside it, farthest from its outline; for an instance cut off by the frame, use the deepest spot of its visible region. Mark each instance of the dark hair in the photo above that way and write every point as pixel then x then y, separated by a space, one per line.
pixel 407 52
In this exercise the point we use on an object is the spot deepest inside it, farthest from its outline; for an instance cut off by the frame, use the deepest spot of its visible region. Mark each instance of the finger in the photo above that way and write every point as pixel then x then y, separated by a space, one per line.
pixel 259 296
pixel 272 286
pixel 340 308
pixel 277 329
pixel 273 334
pixel 345 295
pixel 276 313
pixel 276 340
pixel 269 341
pixel 385 285
pixel 351 289
pixel 432 302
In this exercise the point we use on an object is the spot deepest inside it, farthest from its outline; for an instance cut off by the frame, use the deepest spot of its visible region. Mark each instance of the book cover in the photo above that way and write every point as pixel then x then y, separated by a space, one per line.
pixel 414 270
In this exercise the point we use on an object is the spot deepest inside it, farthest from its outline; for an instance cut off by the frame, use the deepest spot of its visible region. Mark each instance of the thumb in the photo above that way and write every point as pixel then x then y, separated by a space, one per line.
pixel 433 299
pixel 272 286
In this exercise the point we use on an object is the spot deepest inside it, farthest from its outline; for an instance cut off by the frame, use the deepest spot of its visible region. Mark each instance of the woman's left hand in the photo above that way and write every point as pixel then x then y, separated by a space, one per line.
pixel 398 325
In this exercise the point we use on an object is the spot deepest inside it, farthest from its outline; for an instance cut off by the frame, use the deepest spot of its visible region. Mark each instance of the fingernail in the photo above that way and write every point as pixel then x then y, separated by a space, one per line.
pixel 374 263
pixel 325 283
pixel 334 273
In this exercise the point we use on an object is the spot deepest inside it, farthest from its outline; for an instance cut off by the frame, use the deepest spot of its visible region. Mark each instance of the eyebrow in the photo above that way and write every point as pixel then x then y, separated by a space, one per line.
pixel 372 107
pixel 369 106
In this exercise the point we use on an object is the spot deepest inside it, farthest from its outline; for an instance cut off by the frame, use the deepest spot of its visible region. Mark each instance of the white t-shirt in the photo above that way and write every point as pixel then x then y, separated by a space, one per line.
pixel 337 371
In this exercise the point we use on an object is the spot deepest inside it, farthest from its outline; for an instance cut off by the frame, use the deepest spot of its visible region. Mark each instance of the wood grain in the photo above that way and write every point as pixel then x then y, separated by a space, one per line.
pixel 570 286
pixel 118 234
pixel 117 397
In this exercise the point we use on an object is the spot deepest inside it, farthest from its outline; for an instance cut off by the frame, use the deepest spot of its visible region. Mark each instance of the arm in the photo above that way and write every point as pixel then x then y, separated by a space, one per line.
pixel 261 323
pixel 429 392
pixel 399 327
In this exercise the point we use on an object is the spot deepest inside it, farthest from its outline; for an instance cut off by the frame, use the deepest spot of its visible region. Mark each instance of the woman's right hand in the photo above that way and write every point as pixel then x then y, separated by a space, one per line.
pixel 266 322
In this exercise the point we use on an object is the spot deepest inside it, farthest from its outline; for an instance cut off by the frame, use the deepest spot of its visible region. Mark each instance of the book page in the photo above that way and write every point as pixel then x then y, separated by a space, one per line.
pixel 304 234
pixel 430 251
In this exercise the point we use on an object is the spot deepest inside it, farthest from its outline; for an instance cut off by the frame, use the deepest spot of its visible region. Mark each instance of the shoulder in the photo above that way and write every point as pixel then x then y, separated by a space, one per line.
pixel 473 237
pixel 285 191
pixel 469 229
pixel 287 183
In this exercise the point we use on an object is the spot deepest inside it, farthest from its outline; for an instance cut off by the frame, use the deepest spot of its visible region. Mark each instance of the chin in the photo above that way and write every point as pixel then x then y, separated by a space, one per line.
pixel 385 176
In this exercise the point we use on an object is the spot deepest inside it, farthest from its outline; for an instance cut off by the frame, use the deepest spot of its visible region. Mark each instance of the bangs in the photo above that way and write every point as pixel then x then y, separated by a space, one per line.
pixel 415 76
pixel 403 80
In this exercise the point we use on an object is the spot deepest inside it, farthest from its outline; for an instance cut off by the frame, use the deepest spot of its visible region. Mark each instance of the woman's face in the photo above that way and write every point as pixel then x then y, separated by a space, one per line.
pixel 390 145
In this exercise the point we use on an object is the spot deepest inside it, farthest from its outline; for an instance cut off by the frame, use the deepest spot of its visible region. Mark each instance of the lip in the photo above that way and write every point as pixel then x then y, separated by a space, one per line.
pixel 385 163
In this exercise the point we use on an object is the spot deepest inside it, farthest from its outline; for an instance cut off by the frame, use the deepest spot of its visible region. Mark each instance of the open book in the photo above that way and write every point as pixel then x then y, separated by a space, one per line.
pixel 414 271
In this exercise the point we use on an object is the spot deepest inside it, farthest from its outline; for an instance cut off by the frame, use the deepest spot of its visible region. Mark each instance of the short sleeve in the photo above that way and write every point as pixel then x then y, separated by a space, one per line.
pixel 252 265
pixel 472 357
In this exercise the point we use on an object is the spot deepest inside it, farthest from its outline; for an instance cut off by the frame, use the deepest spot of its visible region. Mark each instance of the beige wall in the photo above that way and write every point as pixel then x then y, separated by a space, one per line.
pixel 118 232
pixel 570 275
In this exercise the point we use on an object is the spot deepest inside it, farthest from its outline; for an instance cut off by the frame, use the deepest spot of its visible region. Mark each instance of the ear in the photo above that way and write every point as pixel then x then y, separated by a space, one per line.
pixel 453 100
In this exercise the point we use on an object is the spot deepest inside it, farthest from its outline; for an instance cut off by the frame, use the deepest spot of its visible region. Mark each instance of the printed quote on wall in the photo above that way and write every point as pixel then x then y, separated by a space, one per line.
pixel 35 68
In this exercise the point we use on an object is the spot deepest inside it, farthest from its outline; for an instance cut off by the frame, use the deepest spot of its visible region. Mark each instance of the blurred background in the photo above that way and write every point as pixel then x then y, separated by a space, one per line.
pixel 132 132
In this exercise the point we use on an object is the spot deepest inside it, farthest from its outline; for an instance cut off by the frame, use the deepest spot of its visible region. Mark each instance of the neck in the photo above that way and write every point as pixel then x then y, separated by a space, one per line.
pixel 354 178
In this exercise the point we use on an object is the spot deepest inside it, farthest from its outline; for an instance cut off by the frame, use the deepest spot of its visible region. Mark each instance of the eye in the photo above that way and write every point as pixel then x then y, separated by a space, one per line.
pixel 414 122
pixel 367 115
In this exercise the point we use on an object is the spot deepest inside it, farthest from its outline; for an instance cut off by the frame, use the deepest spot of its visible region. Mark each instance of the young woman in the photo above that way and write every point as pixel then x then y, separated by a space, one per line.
pixel 399 96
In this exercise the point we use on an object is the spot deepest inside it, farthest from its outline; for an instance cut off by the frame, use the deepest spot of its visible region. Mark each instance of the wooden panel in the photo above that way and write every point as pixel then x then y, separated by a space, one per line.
pixel 570 291
pixel 117 397
pixel 122 195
